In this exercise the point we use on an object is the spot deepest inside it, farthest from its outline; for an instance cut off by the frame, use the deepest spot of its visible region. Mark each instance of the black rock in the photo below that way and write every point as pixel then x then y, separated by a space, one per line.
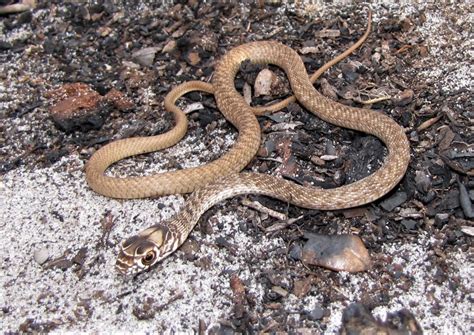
pixel 317 313
pixel 394 201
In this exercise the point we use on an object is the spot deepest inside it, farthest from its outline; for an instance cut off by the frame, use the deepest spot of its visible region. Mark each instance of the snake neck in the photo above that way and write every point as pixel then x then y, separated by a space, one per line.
pixel 201 200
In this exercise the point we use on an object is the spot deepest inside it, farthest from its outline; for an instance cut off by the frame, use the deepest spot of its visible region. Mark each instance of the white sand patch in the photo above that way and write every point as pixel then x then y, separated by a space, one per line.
pixel 54 209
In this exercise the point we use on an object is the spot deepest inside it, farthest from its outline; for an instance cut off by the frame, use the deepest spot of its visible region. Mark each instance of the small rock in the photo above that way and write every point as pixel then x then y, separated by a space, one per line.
pixel 414 137
pixel 394 201
pixel 41 255
pixel 441 219
pixel 355 212
pixel 376 57
pixel 263 82
pixel 409 224
pixel 449 201
pixel 247 90
pixel 145 56
pixel 146 311
pixel 279 117
pixel 190 248
pixel 328 157
pixel 330 149
pixel 207 41
pixel 336 252
pixel 423 181
pixel 468 230
pixel 79 107
pixel 169 47
pixel 317 313
pixel 104 31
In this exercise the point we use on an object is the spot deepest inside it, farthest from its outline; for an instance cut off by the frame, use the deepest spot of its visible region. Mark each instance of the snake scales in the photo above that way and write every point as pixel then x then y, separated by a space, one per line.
pixel 153 244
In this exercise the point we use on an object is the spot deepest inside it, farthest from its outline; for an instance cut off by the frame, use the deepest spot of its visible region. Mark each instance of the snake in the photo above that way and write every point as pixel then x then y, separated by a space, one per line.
pixel 222 179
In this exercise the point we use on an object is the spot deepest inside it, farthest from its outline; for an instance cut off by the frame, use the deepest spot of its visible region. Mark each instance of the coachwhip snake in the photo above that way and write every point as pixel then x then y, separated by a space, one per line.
pixel 153 244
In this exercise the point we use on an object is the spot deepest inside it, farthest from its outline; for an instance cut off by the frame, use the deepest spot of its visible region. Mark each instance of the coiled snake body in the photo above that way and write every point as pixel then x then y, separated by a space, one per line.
pixel 153 244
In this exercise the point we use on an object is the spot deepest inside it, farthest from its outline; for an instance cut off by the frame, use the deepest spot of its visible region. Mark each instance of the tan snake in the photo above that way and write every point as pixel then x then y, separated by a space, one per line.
pixel 145 249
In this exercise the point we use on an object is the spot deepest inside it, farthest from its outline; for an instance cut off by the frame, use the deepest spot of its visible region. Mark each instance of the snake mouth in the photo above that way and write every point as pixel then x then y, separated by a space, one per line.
pixel 125 267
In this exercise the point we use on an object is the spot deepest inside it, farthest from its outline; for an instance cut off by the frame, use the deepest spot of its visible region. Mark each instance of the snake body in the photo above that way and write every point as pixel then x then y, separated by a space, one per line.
pixel 187 180
pixel 145 249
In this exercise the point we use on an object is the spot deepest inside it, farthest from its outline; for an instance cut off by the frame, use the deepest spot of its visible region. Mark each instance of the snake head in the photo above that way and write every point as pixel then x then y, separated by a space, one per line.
pixel 140 252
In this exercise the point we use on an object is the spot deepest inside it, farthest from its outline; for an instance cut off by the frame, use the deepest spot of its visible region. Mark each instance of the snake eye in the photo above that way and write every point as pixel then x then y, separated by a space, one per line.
pixel 149 257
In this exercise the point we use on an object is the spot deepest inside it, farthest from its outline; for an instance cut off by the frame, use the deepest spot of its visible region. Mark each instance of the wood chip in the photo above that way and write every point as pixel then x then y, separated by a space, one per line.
pixel 328 33
pixel 428 123
pixel 258 206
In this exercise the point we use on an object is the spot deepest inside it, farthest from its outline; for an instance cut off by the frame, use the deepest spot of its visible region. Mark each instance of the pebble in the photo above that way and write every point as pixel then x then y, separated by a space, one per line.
pixel 41 256
pixel 263 83
pixel 328 157
pixel 336 252
pixel 423 181
pixel 409 224
pixel 317 313
pixel 79 107
pixel 145 56
pixel 468 230
pixel 441 219
pixel 394 201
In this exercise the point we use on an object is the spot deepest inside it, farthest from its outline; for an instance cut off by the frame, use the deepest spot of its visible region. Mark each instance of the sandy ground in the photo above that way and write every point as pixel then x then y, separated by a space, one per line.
pixel 51 212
